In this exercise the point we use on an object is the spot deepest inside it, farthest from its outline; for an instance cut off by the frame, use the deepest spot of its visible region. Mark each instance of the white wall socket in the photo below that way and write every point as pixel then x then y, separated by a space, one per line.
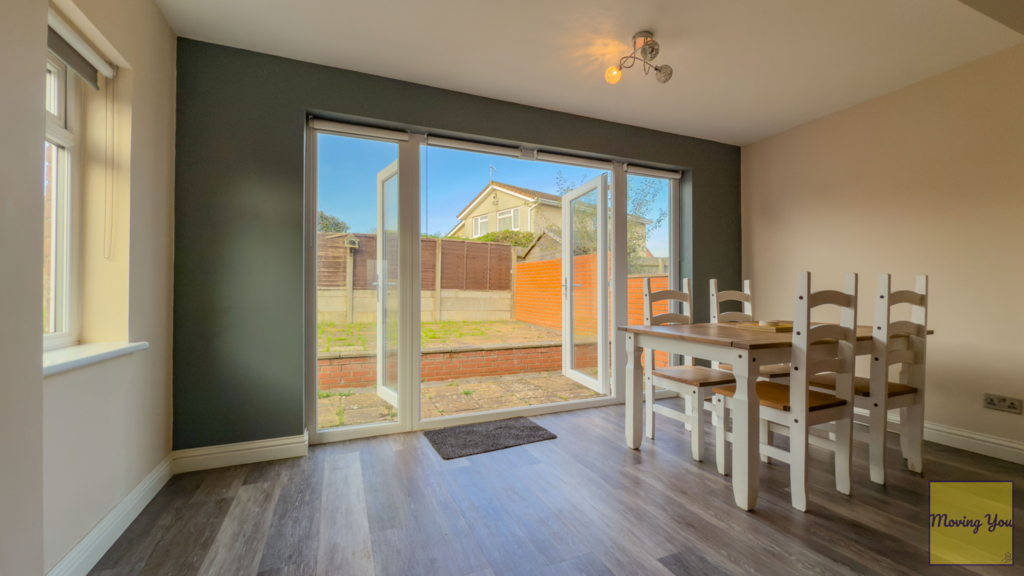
pixel 1004 403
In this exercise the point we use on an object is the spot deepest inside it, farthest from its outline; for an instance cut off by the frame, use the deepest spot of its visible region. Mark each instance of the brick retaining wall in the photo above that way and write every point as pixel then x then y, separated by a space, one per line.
pixel 357 370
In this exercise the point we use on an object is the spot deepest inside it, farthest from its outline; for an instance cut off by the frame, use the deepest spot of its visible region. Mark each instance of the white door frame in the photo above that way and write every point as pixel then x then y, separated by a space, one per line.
pixel 601 383
pixel 382 282
pixel 409 146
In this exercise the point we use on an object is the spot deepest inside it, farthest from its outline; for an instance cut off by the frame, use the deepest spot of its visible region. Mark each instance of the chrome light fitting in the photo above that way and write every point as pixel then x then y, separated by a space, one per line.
pixel 645 50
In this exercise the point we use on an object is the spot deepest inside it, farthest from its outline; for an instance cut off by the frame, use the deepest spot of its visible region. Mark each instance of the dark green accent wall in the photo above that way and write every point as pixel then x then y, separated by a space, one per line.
pixel 238 272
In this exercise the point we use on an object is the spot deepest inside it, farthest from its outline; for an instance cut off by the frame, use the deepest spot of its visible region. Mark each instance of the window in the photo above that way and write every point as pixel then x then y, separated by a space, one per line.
pixel 508 220
pixel 58 144
pixel 480 225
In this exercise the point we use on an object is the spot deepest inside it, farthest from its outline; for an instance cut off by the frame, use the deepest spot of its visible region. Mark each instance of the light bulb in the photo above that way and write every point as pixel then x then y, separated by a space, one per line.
pixel 613 75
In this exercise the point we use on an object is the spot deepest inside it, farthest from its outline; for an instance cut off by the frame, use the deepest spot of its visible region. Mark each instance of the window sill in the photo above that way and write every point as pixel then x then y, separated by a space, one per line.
pixel 72 357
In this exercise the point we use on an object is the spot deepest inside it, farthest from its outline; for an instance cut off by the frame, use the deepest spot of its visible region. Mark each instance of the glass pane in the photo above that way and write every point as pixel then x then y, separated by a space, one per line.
pixel 52 87
pixel 647 245
pixel 491 315
pixel 51 191
pixel 389 278
pixel 348 175
pixel 584 284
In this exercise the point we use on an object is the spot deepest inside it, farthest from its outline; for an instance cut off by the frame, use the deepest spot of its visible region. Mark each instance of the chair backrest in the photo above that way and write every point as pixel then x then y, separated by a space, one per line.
pixel 684 297
pixel 842 362
pixel 912 334
pixel 731 295
pixel 670 317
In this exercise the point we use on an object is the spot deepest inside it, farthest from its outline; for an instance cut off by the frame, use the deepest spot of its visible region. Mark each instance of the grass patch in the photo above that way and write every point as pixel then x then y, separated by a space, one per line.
pixel 467 392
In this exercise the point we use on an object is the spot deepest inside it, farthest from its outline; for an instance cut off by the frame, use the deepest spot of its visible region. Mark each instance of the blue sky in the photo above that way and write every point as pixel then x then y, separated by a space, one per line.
pixel 347 177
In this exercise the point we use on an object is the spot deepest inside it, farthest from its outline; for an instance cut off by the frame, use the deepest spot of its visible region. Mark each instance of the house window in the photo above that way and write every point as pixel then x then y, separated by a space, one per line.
pixel 480 225
pixel 508 220
pixel 58 300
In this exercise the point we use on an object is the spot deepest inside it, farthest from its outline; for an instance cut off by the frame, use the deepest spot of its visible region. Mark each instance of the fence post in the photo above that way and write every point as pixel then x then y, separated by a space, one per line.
pixel 349 266
pixel 437 283
pixel 512 280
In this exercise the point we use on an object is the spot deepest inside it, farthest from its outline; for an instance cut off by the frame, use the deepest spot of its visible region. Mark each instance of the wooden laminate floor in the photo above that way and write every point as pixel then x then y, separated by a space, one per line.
pixel 581 504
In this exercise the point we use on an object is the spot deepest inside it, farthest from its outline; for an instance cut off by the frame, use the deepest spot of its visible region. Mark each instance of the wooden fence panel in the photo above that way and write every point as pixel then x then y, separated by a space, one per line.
pixel 477 260
pixel 500 265
pixel 465 265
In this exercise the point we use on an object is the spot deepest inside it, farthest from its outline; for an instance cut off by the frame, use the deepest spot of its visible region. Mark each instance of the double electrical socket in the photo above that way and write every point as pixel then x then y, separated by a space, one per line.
pixel 1004 403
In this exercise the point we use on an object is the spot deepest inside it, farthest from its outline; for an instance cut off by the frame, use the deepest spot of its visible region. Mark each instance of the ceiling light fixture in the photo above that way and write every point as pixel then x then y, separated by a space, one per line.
pixel 645 49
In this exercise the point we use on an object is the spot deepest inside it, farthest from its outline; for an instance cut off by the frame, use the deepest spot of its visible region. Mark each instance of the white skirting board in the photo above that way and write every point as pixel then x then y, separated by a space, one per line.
pixel 81 559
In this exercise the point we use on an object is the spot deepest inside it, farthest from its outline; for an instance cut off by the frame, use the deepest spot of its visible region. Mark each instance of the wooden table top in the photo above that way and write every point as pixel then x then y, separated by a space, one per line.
pixel 726 335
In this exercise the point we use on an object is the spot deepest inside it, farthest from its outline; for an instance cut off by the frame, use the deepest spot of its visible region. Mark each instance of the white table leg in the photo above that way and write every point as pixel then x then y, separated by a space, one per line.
pixel 634 393
pixel 746 410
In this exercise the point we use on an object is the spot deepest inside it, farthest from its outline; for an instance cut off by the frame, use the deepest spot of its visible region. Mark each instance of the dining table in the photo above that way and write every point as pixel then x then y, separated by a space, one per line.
pixel 747 350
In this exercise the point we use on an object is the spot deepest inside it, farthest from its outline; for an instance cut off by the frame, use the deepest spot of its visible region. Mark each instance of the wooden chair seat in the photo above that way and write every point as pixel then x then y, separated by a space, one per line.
pixel 698 376
pixel 776 395
pixel 771 371
pixel 861 386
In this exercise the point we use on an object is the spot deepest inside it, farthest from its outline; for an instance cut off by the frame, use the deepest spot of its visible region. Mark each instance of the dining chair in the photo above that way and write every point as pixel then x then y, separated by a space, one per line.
pixel 772 372
pixel 692 383
pixel 794 408
pixel 877 394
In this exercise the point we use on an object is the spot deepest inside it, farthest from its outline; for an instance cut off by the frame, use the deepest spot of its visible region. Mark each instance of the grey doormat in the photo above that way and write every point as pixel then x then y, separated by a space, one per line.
pixel 472 439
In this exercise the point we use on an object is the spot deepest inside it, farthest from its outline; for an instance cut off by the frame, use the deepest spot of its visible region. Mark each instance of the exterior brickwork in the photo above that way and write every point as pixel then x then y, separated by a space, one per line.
pixel 361 371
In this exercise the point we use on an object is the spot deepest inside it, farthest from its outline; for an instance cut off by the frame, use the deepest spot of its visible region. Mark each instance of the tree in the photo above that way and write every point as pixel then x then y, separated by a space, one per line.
pixel 330 223
pixel 644 217
pixel 521 239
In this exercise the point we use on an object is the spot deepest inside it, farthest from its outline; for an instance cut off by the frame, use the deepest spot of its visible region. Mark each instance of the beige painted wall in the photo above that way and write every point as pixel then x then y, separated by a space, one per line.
pixel 106 426
pixel 925 180
pixel 22 57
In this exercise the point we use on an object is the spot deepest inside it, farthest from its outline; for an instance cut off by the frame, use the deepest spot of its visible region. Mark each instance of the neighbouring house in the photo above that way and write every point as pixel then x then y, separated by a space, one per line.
pixel 502 206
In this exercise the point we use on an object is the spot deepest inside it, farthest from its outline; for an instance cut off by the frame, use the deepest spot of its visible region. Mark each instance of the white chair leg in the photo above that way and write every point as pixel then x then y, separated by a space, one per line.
pixel 697 434
pixel 844 452
pixel 767 437
pixel 798 464
pixel 723 455
pixel 912 434
pixel 649 404
pixel 877 424
pixel 688 400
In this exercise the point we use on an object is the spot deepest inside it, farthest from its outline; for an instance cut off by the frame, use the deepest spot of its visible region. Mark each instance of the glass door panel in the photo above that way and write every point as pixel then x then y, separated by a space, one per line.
pixel 387 284
pixel 585 284
pixel 356 270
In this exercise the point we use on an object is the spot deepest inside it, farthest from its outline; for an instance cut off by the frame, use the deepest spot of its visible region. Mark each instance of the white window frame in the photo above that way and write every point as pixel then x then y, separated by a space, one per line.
pixel 61 130
pixel 481 225
pixel 409 418
pixel 511 214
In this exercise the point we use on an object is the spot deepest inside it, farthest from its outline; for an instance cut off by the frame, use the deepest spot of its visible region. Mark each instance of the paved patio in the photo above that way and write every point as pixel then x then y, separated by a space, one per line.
pixel 451 397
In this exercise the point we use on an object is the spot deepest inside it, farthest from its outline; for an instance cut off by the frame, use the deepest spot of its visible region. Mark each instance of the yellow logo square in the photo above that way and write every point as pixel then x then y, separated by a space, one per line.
pixel 971 523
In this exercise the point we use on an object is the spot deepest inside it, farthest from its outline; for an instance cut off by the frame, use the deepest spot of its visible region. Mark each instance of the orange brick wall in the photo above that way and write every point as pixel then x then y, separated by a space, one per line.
pixel 538 298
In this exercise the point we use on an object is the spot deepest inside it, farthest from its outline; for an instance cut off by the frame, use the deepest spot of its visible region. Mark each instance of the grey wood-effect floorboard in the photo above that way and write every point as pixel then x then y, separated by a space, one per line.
pixel 582 504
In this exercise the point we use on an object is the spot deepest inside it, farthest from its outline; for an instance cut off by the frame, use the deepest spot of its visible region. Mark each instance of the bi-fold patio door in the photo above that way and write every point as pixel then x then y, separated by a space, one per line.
pixel 585 310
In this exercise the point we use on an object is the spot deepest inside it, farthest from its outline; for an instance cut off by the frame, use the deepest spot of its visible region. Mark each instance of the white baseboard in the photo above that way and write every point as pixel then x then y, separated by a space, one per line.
pixel 977 442
pixel 984 444
pixel 241 453
pixel 81 559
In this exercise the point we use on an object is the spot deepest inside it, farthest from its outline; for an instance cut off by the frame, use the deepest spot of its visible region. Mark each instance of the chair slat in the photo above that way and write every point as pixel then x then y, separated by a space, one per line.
pixel 836 365
pixel 733 295
pixel 833 297
pixel 827 332
pixel 669 318
pixel 901 357
pixel 906 297
pixel 734 317
pixel 906 327
pixel 669 295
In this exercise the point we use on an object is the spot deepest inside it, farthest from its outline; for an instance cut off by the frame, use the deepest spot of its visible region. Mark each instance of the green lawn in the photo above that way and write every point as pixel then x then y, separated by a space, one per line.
pixel 362 337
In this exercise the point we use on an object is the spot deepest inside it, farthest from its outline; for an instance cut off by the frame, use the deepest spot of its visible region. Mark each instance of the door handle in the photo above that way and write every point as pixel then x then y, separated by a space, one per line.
pixel 577 285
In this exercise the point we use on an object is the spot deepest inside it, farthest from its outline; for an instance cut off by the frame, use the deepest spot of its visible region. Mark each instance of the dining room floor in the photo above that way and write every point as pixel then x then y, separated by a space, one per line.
pixel 581 504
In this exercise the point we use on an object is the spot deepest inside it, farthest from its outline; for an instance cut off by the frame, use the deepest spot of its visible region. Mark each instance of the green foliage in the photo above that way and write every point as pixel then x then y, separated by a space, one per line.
pixel 467 392
pixel 519 238
pixel 330 223
pixel 644 218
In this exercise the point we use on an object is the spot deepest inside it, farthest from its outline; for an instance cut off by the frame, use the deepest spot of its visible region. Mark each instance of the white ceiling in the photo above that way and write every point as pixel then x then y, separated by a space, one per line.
pixel 744 69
